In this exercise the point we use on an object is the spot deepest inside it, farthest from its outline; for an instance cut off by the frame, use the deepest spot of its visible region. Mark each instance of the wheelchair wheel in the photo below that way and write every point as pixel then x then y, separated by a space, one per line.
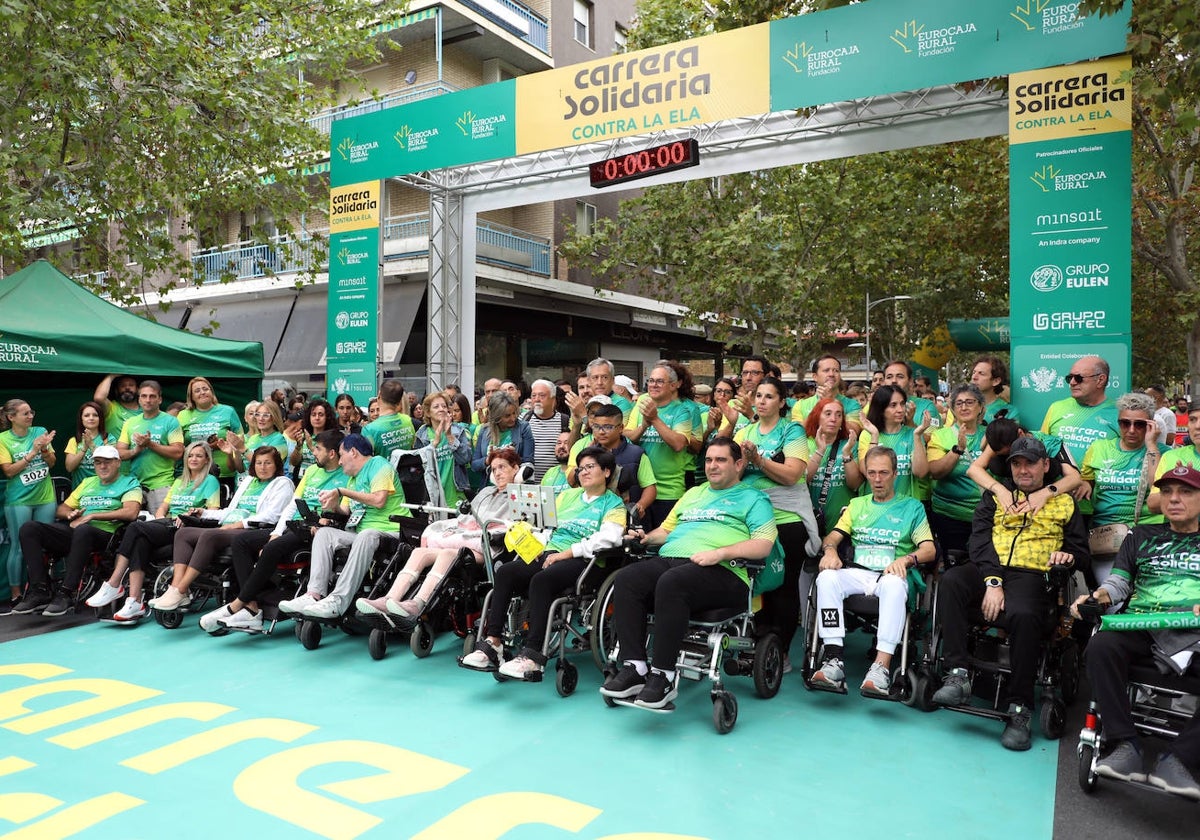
pixel 310 634
pixel 1053 719
pixel 603 635
pixel 297 628
pixel 725 712
pixel 170 619
pixel 1087 779
pixel 377 644
pixel 921 690
pixel 1068 667
pixel 420 641
pixel 566 679
pixel 468 643
pixel 768 666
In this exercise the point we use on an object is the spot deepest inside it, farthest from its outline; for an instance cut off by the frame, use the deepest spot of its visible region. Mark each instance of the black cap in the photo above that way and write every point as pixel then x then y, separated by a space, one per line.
pixel 1029 448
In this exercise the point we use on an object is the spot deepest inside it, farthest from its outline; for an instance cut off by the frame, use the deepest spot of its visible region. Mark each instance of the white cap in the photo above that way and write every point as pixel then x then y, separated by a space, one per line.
pixel 626 383
pixel 601 399
pixel 106 452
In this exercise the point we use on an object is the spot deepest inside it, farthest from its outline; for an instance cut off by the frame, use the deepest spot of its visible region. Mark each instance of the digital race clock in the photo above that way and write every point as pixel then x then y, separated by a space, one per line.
pixel 678 155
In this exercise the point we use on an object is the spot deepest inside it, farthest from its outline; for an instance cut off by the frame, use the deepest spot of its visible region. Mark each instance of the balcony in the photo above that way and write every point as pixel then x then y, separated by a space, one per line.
pixel 403 237
pixel 516 18
pixel 323 121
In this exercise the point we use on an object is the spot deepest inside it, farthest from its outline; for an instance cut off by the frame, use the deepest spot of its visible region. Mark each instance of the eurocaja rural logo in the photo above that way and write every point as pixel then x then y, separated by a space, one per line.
pixel 628 83
pixel 1048 16
pixel 915 37
pixel 806 60
pixel 1047 101
pixel 1050 178
pixel 355 152
pixel 479 128
pixel 413 141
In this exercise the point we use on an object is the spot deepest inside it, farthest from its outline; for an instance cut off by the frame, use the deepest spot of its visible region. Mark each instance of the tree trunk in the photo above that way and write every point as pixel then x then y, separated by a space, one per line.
pixel 1193 356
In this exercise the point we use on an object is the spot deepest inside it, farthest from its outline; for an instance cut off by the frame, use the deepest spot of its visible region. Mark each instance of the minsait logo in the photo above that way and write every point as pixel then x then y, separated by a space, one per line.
pixel 1046 278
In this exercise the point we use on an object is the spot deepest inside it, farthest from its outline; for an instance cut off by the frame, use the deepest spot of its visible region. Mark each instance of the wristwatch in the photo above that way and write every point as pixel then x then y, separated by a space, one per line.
pixel 993 581
pixel 957 450
pixel 1053 488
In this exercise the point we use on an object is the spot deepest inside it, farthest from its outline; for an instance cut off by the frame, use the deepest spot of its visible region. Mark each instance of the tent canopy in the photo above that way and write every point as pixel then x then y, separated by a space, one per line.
pixel 58 341
pixel 50 323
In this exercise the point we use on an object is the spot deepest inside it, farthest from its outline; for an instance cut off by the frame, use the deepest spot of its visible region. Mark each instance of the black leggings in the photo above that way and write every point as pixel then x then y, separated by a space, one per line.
pixel 780 611
pixel 673 589
pixel 253 570
pixel 142 538
pixel 545 586
pixel 512 579
pixel 58 539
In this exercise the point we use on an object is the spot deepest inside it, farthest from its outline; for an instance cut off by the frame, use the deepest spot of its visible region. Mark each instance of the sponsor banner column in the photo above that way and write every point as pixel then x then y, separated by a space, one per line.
pixel 1070 175
pixel 352 348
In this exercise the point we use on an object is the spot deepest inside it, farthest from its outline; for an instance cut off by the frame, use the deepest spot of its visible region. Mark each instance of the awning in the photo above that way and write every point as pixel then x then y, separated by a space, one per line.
pixel 302 349
pixel 261 319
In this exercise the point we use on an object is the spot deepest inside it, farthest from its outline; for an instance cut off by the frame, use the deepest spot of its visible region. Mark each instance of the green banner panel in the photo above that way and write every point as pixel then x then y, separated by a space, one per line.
pixel 1037 370
pixel 455 128
pixel 892 45
pixel 353 313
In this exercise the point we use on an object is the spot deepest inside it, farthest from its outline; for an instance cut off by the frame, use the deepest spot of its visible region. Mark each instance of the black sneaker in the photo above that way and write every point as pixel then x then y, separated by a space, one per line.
pixel 658 691
pixel 624 684
pixel 1016 735
pixel 35 599
pixel 60 605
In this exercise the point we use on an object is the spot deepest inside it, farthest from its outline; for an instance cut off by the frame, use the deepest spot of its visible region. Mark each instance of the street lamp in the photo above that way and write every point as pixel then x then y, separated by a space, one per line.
pixel 871 304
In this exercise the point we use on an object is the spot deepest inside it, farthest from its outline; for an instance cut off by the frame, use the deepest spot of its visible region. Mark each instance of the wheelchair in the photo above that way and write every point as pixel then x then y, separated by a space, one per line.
pixel 1058 662
pixel 1161 706
pixel 861 612
pixel 98 568
pixel 309 630
pixel 718 640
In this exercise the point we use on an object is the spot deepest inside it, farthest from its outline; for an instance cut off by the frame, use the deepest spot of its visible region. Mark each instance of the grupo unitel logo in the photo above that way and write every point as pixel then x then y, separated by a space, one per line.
pixel 1046 278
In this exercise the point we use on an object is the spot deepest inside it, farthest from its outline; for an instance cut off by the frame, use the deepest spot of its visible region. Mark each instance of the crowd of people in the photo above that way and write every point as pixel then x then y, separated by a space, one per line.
pixel 853 486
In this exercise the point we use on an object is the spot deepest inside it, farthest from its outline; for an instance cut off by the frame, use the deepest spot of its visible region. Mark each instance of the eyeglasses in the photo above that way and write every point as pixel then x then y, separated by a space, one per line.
pixel 588 467
pixel 607 427
pixel 1076 378
pixel 262 415
pixel 723 391
pixel 657 381
pixel 1140 425
pixel 965 403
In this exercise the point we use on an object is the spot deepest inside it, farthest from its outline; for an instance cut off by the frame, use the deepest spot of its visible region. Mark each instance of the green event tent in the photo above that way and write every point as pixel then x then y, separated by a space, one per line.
pixel 58 340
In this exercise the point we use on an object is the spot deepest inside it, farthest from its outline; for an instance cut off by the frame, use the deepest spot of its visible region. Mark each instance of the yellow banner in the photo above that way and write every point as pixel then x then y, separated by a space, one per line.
pixel 1071 101
pixel 686 83
pixel 354 207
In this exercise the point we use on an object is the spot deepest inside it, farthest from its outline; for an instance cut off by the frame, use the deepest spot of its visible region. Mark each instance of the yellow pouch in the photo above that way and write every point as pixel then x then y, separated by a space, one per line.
pixel 520 538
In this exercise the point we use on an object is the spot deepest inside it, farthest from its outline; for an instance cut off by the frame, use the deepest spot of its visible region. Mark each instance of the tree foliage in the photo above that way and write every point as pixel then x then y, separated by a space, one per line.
pixel 116 117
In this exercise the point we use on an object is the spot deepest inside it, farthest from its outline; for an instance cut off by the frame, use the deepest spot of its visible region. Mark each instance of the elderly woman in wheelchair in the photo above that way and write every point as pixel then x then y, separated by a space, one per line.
pixel 1158 578
pixel 442 542
pixel 591 518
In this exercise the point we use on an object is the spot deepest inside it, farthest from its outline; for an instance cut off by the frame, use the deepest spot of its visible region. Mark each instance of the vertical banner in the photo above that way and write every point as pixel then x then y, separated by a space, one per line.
pixel 1070 210
pixel 352 348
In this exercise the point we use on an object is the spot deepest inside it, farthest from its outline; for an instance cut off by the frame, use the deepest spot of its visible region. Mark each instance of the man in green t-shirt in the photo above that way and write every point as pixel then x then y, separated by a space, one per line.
pixel 827 373
pixel 152 441
pixel 117 411
pixel 1086 416
pixel 661 424
pixel 990 376
pixel 899 372
pixel 722 520
pixel 88 519
pixel 1156 571
pixel 1186 455
pixel 392 429
pixel 371 498
pixel 890 535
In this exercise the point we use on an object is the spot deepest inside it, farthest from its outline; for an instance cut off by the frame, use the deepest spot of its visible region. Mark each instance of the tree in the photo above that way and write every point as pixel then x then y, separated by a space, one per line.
pixel 1164 41
pixel 118 117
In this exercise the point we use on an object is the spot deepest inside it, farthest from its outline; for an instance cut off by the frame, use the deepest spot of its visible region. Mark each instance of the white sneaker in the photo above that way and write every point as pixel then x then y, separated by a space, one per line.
pixel 106 595
pixel 522 668
pixel 210 621
pixel 244 620
pixel 131 612
pixel 479 660
pixel 172 599
pixel 878 681
pixel 327 607
pixel 297 605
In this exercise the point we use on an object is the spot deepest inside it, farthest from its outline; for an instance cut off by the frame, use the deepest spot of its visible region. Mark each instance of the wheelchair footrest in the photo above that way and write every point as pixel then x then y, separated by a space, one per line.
pixel 667 709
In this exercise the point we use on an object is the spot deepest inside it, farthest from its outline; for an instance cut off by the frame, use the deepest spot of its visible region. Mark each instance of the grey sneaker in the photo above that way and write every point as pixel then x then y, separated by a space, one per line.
pixel 878 681
pixel 1170 775
pixel 1124 763
pixel 955 690
pixel 831 674
pixel 1016 735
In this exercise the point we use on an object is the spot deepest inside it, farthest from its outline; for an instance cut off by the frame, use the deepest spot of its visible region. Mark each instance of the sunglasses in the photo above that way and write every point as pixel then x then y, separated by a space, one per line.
pixel 1140 425
pixel 1076 378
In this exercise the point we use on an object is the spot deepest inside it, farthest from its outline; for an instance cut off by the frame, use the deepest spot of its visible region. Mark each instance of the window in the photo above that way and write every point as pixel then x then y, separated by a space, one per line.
pixel 620 39
pixel 583 22
pixel 585 218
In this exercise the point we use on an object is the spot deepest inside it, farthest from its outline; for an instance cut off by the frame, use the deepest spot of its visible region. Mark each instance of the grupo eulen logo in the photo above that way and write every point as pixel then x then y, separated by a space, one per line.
pixel 1046 278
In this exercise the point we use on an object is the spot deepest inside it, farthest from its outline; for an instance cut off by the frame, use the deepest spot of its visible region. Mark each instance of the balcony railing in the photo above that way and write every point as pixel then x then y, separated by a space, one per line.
pixel 403 236
pixel 517 18
pixel 324 120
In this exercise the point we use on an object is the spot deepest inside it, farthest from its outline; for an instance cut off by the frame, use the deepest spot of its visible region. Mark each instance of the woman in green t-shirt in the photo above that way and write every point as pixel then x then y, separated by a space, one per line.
pixel 952 450
pixel 884 425
pixel 266 431
pixel 26 457
pixel 833 473
pixel 90 432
